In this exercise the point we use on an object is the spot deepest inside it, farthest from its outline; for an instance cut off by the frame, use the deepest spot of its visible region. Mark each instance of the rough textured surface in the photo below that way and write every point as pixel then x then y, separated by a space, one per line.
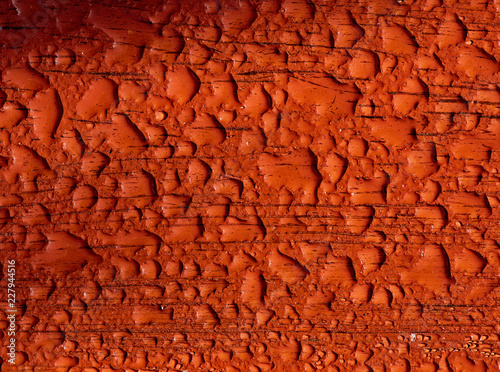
pixel 251 186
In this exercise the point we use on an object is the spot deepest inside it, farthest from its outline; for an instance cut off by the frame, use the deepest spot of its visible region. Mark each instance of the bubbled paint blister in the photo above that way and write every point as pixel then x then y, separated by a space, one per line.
pixel 277 185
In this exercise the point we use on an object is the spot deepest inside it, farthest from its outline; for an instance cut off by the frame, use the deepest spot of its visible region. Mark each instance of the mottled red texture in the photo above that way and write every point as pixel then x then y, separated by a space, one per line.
pixel 251 186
